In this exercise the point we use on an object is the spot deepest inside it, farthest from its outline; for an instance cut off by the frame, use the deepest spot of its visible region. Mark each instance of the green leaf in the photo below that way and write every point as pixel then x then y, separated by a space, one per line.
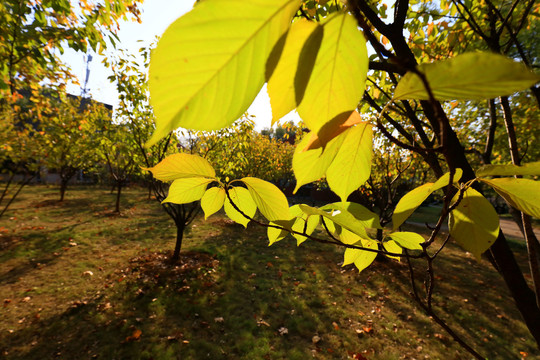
pixel 358 212
pixel 242 199
pixel 361 259
pixel 338 78
pixel 407 240
pixel 212 201
pixel 187 190
pixel 474 223
pixel 210 64
pixel 352 165
pixel 414 198
pixel 288 80
pixel 271 202
pixel 509 170
pixel 522 194
pixel 351 216
pixel 178 166
pixel 470 76
pixel 311 165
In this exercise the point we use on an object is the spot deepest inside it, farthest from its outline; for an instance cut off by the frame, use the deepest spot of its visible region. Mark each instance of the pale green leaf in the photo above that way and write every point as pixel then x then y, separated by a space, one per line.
pixel 414 198
pixel 522 194
pixel 210 64
pixel 311 165
pixel 470 76
pixel 352 165
pixel 361 258
pixel 179 166
pixel 407 240
pixel 509 170
pixel 288 81
pixel 338 78
pixel 187 190
pixel 242 199
pixel 212 201
pixel 271 202
pixel 305 224
pixel 358 212
pixel 474 224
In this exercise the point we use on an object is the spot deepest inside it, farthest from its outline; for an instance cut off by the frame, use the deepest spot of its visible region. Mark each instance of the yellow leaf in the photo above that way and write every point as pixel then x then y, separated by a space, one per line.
pixel 210 64
pixel 179 166
pixel 212 201
pixel 287 81
pixel 332 129
pixel 338 78
pixel 187 190
pixel 242 199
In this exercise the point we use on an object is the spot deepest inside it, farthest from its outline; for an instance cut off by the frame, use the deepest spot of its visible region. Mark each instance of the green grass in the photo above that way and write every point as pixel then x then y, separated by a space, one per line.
pixel 231 297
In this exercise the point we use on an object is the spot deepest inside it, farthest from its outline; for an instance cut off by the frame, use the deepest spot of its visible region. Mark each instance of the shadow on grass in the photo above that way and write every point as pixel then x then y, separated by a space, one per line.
pixel 235 298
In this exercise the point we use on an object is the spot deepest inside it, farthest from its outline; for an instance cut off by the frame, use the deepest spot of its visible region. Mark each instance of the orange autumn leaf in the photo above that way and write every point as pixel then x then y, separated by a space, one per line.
pixel 332 129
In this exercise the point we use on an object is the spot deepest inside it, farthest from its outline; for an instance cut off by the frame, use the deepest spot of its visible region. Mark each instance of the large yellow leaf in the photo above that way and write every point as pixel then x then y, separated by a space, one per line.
pixel 210 64
pixel 523 194
pixel 470 76
pixel 408 240
pixel 414 198
pixel 311 165
pixel 271 202
pixel 303 222
pixel 338 78
pixel 179 166
pixel 187 190
pixel 352 165
pixel 288 81
pixel 242 199
pixel 508 170
pixel 474 224
pixel 212 201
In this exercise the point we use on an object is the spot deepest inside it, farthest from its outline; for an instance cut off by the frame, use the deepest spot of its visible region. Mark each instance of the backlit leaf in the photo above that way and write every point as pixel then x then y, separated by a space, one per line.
pixel 304 223
pixel 407 240
pixel 332 129
pixel 212 201
pixel 187 190
pixel 474 224
pixel 242 199
pixel 179 166
pixel 311 165
pixel 271 202
pixel 274 234
pixel 470 76
pixel 509 170
pixel 414 198
pixel 210 64
pixel 352 165
pixel 523 194
pixel 392 247
pixel 288 81
pixel 338 78
pixel 361 258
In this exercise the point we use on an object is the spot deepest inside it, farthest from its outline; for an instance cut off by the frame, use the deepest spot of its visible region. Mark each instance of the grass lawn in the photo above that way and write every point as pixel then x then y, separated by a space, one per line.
pixel 80 282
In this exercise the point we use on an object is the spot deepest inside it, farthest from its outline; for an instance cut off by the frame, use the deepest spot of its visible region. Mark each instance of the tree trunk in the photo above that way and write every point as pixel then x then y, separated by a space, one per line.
pixel 180 226
pixel 118 192
pixel 63 187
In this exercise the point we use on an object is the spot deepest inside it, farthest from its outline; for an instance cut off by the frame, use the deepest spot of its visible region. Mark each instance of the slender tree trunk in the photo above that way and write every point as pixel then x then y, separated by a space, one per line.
pixel 118 192
pixel 63 187
pixel 180 226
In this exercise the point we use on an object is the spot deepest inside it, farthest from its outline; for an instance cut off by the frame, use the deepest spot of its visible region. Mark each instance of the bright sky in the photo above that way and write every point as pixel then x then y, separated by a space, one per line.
pixel 157 15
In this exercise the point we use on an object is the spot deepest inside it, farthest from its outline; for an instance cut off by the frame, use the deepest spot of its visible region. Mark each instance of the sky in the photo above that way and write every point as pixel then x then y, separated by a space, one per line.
pixel 157 15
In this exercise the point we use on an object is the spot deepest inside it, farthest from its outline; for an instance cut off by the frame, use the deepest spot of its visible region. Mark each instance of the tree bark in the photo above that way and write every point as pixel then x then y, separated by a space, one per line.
pixel 118 192
pixel 180 226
